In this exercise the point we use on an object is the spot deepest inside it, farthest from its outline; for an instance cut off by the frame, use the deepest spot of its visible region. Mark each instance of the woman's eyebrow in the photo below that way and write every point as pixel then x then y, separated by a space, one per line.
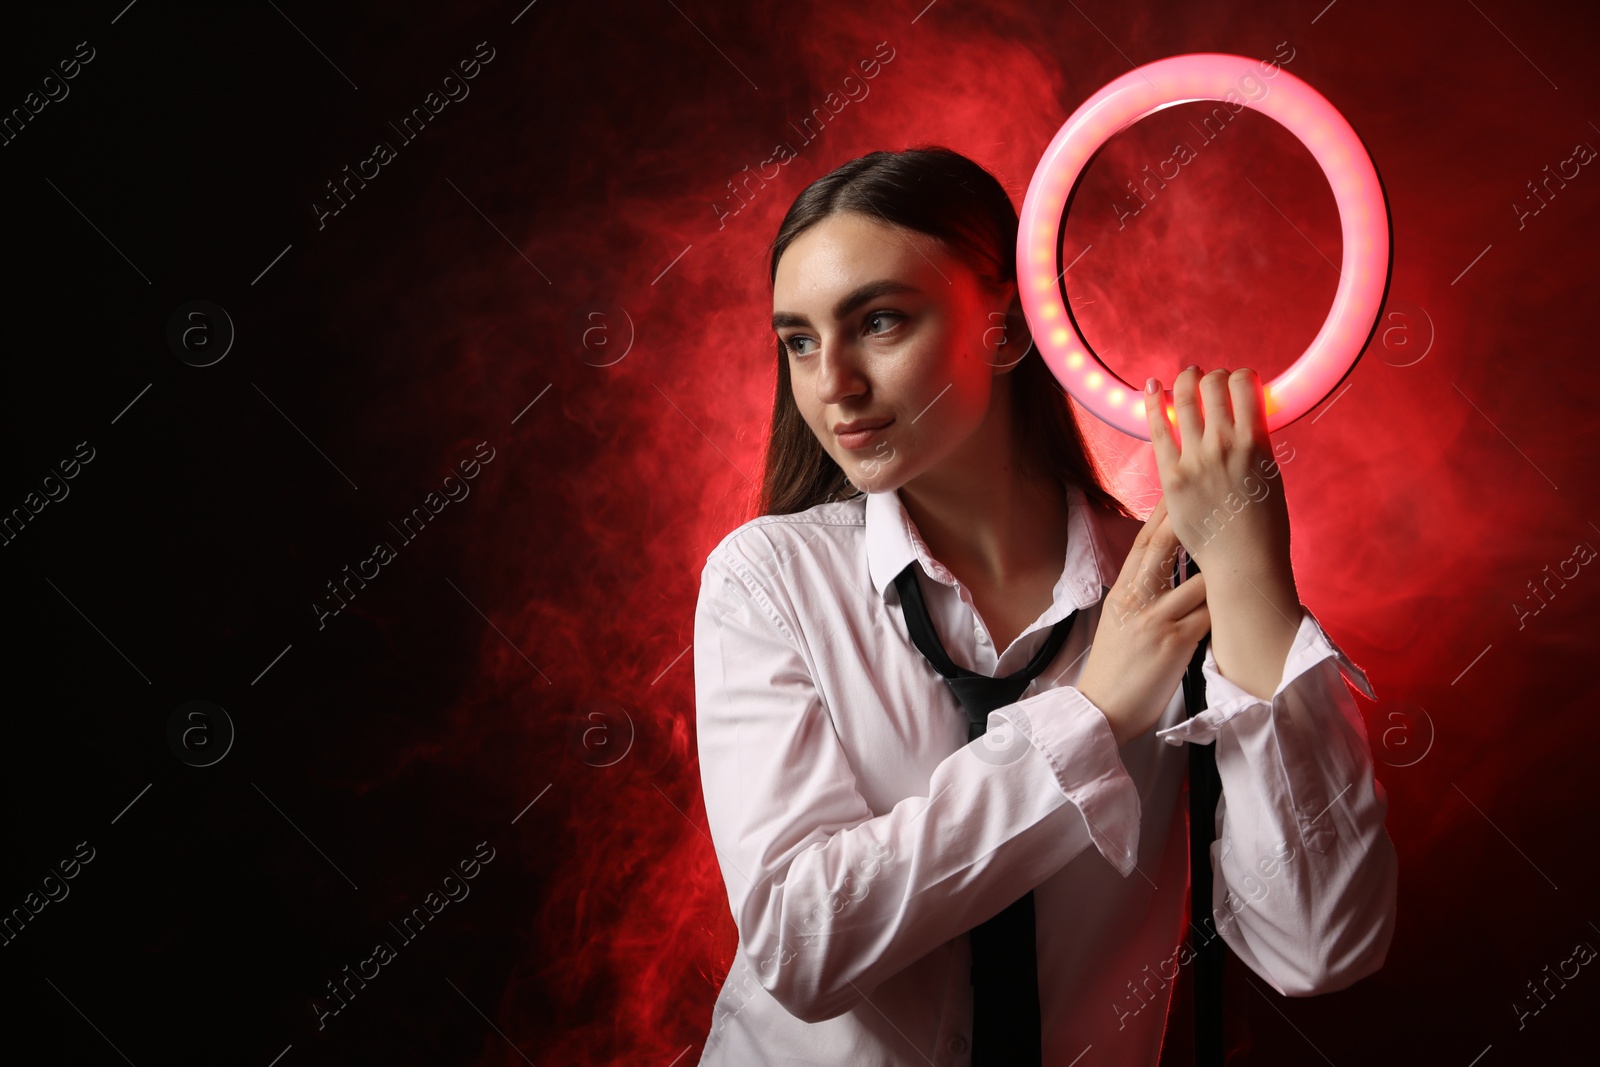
pixel 854 299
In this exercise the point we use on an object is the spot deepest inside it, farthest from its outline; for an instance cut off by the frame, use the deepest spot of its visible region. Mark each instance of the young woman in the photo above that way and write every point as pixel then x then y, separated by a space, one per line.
pixel 863 826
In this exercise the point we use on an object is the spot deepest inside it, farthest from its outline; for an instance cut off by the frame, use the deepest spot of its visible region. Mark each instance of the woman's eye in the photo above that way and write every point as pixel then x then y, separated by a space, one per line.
pixel 791 344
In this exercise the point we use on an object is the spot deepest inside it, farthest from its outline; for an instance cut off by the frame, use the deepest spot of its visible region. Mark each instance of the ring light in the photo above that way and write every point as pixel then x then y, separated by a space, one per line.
pixel 1363 224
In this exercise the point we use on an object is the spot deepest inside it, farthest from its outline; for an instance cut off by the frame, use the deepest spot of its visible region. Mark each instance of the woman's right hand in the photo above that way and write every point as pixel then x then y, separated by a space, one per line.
pixel 1147 633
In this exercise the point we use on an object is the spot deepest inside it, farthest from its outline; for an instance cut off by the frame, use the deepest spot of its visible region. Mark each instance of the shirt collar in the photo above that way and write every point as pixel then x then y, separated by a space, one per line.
pixel 1092 563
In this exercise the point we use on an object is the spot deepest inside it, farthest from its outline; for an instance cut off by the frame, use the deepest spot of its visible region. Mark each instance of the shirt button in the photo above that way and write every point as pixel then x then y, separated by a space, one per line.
pixel 958 1044
pixel 983 638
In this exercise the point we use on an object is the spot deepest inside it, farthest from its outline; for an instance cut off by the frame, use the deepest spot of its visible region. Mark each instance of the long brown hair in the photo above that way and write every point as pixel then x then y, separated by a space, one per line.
pixel 943 194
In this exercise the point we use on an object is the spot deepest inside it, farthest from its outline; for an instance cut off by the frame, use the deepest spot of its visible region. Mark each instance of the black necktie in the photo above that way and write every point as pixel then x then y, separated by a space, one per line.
pixel 1005 976
pixel 1205 789
pixel 1005 968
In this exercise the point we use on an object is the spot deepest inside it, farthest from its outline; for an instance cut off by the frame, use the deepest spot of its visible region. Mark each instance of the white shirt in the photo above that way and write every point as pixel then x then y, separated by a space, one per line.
pixel 860 836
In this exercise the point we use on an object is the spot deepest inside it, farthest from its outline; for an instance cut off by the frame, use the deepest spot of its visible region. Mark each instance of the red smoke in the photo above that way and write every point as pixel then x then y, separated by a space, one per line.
pixel 1424 499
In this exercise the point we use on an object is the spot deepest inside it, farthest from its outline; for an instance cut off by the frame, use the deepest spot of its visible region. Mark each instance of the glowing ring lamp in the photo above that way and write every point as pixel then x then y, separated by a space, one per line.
pixel 1363 221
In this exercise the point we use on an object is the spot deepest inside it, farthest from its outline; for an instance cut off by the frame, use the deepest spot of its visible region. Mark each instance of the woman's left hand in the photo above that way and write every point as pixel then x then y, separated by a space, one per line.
pixel 1224 493
pixel 1223 489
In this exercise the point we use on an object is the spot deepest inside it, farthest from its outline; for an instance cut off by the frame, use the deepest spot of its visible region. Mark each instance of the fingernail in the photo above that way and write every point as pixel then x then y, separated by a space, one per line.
pixel 1150 385
pixel 1192 366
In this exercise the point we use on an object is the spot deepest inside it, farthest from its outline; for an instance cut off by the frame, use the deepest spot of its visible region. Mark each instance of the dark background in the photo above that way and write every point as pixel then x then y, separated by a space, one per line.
pixel 517 676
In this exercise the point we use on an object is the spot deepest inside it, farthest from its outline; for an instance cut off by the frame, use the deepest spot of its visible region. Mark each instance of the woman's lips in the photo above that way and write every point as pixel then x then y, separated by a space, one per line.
pixel 858 439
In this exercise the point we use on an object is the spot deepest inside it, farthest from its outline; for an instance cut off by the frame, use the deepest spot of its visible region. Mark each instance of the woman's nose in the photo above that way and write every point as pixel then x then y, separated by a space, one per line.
pixel 838 373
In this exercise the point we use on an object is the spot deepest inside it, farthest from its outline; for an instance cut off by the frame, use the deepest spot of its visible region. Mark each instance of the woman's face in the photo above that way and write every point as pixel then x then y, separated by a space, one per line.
pixel 881 325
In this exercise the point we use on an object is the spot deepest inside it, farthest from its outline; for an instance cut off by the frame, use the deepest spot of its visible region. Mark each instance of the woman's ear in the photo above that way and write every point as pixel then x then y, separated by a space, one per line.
pixel 1009 339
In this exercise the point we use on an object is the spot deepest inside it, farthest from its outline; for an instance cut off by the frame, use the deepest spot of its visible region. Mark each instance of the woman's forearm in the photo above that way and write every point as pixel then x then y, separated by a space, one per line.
pixel 1254 618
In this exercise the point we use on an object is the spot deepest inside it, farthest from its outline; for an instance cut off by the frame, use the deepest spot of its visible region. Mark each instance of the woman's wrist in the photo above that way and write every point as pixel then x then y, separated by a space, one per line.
pixel 1112 720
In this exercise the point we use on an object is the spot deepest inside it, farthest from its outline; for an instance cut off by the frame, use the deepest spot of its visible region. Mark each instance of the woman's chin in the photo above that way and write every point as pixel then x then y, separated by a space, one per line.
pixel 869 479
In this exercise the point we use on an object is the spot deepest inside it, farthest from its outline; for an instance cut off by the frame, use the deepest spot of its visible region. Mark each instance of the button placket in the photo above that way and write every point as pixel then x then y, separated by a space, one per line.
pixel 978 633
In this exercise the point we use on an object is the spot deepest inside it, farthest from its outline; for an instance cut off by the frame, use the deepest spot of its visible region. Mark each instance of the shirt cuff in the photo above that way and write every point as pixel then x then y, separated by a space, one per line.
pixel 1225 700
pixel 1076 740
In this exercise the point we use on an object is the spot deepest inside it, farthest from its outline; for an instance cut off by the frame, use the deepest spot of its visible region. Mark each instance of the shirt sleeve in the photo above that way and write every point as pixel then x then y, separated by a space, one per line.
pixel 830 898
pixel 1304 873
